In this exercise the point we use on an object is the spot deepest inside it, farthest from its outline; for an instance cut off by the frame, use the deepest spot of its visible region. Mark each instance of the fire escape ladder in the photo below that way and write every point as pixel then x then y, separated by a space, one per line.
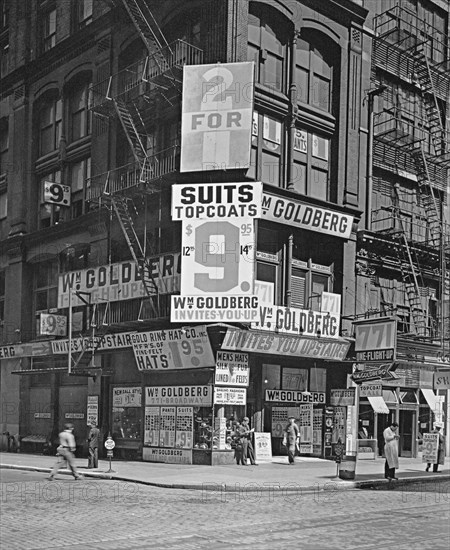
pixel 409 277
pixel 148 29
pixel 98 336
pixel 122 212
pixel 428 197
pixel 433 115
pixel 135 138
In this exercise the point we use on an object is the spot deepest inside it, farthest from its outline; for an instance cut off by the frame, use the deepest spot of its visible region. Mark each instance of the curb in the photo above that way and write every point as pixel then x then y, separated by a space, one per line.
pixel 252 487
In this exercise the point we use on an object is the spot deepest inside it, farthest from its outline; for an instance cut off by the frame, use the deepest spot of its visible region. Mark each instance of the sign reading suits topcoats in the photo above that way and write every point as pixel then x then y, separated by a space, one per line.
pixel 216 118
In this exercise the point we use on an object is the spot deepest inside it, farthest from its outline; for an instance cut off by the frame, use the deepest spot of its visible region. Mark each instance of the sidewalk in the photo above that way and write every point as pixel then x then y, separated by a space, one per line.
pixel 308 474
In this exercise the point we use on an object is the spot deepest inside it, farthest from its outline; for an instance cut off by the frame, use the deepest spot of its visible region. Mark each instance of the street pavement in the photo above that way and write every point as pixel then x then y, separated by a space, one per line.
pixel 104 514
pixel 312 474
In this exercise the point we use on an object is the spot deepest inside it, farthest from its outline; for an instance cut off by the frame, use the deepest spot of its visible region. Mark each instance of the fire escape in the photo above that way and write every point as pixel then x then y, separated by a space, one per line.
pixel 406 143
pixel 134 97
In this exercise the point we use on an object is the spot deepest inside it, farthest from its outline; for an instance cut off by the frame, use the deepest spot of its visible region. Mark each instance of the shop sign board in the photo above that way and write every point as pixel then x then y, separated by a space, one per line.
pixel 295 396
pixel 74 416
pixel 442 380
pixel 343 398
pixel 232 369
pixel 200 396
pixel 207 309
pixel 430 448
pixel 375 340
pixel 92 409
pixel 216 201
pixel 370 390
pixel 30 349
pixel 281 345
pixel 57 193
pixel 127 397
pixel 218 257
pixel 230 396
pixel 216 118
pixel 52 325
pixel 305 216
pixel 374 373
pixel 119 281
pixel 169 456
pixel 298 321
pixel 43 415
pixel 174 349
pixel 263 446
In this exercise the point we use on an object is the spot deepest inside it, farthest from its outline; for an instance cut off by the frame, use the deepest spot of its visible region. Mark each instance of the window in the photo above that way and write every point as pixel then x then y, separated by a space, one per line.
pixel 50 116
pixel 2 295
pixel 267 46
pixel 84 15
pixel 307 284
pixel 311 165
pixel 314 70
pixel 3 205
pixel 4 146
pixel 46 285
pixel 48 30
pixel 4 15
pixel 267 146
pixel 79 174
pixel 49 214
pixel 80 115
pixel 4 58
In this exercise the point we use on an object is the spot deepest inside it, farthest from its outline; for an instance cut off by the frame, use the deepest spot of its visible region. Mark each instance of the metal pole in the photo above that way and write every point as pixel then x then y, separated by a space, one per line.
pixel 69 354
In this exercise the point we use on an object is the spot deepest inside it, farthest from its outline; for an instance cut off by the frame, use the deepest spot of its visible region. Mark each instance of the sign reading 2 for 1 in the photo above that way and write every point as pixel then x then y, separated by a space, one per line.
pixel 218 257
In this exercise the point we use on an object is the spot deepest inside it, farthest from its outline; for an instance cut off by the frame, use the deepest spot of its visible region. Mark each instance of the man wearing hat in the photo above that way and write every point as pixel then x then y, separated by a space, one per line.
pixel 247 446
pixel 65 452
pixel 441 447
pixel 291 438
pixel 93 437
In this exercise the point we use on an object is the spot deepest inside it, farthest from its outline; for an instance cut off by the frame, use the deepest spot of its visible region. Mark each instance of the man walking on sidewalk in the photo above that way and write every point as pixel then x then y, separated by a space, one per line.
pixel 93 437
pixel 65 452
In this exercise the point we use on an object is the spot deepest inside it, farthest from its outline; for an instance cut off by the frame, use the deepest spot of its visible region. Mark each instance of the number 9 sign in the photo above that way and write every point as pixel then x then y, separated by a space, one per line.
pixel 56 193
pixel 218 257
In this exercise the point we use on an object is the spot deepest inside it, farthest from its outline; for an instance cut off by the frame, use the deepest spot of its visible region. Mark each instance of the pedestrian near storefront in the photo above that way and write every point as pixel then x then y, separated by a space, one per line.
pixel 291 439
pixel 237 438
pixel 441 448
pixel 391 450
pixel 247 445
pixel 93 439
pixel 64 452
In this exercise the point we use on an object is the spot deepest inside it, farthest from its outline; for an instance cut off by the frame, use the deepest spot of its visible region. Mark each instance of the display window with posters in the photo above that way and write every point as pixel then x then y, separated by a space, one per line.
pixel 126 420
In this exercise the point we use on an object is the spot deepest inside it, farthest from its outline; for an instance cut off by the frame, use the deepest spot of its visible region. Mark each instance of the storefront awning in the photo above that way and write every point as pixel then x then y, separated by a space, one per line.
pixel 378 404
pixel 432 399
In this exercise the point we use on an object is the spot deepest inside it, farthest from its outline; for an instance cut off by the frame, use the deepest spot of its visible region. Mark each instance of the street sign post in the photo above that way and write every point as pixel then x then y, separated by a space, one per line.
pixel 109 446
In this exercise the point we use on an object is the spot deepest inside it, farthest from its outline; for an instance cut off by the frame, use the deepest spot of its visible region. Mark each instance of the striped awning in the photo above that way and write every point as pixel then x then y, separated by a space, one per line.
pixel 378 404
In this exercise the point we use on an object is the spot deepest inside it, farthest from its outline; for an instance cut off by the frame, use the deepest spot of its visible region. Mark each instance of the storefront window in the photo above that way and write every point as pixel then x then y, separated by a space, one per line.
pixel 126 413
pixel 203 428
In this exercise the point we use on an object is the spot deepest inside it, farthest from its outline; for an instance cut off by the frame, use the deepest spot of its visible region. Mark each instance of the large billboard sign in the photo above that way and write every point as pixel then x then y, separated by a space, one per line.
pixel 375 340
pixel 216 118
pixel 118 281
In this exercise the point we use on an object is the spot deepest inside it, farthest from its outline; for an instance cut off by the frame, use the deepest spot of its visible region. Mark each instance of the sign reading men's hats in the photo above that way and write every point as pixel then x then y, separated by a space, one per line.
pixel 216 116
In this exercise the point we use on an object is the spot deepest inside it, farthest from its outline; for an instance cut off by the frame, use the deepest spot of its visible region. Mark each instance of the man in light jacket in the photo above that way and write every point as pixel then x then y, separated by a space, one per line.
pixel 65 452
pixel 391 451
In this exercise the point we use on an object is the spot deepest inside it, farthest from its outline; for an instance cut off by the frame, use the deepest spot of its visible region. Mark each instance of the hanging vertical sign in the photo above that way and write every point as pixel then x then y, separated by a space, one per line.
pixel 216 120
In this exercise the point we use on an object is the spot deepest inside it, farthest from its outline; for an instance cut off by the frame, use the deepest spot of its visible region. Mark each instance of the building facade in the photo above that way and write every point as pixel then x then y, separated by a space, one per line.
pixel 201 201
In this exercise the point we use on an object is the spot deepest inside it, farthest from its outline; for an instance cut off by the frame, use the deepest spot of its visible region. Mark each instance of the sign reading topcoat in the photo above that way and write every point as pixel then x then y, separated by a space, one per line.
pixel 216 200
pixel 313 218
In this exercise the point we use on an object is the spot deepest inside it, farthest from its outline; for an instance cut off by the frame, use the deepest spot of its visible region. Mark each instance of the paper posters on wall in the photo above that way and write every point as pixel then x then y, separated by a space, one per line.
pixel 280 419
pixel 305 423
pixel 151 426
pixel 167 427
pixel 184 428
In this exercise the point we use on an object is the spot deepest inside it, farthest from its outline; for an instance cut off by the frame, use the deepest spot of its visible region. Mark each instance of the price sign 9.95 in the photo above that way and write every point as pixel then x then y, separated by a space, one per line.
pixel 218 257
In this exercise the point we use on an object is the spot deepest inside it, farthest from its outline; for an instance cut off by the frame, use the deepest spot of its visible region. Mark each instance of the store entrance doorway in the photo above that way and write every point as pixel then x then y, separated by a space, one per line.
pixel 407 432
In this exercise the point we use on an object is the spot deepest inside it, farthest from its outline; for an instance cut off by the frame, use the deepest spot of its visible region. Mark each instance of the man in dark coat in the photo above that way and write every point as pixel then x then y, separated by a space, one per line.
pixel 93 438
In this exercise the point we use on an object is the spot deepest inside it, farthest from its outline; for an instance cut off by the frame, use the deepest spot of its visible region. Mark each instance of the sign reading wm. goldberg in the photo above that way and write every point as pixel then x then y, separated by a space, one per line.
pixel 179 395
pixel 313 218
pixel 119 281
pixel 295 396
pixel 276 344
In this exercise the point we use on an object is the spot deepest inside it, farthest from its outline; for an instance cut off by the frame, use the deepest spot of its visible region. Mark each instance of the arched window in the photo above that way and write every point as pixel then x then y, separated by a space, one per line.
pixel 79 114
pixel 267 46
pixel 315 64
pixel 49 125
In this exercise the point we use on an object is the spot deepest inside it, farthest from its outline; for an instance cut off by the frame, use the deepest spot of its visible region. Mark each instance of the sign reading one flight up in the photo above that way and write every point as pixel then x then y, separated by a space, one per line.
pixel 217 116
pixel 375 340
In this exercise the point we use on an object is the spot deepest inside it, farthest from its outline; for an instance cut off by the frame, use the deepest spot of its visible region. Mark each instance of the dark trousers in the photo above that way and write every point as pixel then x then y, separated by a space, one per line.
pixel 93 457
pixel 239 455
pixel 291 452
pixel 251 452
pixel 388 472
pixel 435 466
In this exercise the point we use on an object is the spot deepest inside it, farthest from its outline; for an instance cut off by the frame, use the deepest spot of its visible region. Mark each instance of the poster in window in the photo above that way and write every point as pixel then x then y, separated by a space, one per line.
pixel 167 427
pixel 317 431
pixel 306 428
pixel 184 428
pixel 151 428
pixel 339 420
pixel 295 379
pixel 280 419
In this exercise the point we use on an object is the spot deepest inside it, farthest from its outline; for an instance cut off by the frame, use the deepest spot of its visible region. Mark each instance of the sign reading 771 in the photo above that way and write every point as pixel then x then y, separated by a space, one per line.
pixel 375 340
